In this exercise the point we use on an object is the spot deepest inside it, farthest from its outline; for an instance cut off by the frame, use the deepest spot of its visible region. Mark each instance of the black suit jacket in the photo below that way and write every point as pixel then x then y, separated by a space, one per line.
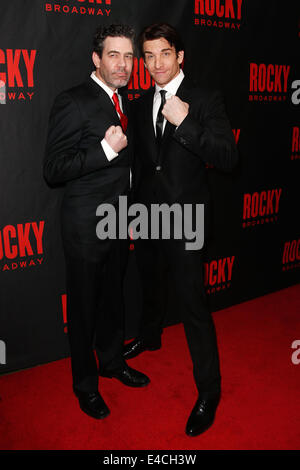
pixel 74 156
pixel 205 136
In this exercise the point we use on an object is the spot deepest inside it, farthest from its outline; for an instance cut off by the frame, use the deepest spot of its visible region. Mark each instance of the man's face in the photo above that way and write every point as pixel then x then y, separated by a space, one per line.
pixel 162 61
pixel 115 66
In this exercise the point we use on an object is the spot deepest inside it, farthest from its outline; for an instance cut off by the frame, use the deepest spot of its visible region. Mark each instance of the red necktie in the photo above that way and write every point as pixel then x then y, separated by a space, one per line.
pixel 123 118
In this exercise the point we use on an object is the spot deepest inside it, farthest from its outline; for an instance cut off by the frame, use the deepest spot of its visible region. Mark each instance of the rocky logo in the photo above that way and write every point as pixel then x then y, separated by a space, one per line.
pixel 17 74
pixel 218 274
pixel 295 155
pixel 268 82
pixel 21 246
pixel 291 255
pixel 140 80
pixel 222 14
pixel 261 208
pixel 64 311
pixel 80 7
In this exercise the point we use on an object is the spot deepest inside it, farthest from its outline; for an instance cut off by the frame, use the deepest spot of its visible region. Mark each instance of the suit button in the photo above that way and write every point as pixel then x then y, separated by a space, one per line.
pixel 158 168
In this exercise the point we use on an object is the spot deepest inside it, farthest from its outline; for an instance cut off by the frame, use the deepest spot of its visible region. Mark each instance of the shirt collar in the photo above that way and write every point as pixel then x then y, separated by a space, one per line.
pixel 103 85
pixel 172 86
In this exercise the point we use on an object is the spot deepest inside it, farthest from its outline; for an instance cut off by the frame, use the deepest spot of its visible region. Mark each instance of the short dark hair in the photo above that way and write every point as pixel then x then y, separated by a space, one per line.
pixel 113 30
pixel 158 31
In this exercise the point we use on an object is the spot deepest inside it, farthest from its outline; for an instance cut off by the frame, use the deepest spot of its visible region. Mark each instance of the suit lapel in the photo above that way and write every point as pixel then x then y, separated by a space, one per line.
pixel 149 129
pixel 170 128
pixel 124 102
pixel 150 138
pixel 128 113
pixel 104 101
pixel 183 90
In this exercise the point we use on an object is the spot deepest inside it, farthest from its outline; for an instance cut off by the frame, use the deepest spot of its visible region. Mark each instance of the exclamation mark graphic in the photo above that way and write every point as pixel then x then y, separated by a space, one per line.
pixel 64 310
pixel 131 246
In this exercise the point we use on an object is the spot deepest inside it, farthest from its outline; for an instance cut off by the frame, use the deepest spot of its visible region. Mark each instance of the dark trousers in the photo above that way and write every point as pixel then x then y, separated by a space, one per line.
pixel 95 313
pixel 158 259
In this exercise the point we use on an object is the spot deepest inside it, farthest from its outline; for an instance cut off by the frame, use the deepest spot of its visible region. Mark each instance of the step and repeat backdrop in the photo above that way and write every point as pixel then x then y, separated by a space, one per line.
pixel 249 49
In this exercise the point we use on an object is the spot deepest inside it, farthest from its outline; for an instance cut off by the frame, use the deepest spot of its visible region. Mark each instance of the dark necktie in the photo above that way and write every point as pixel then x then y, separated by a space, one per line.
pixel 123 118
pixel 160 117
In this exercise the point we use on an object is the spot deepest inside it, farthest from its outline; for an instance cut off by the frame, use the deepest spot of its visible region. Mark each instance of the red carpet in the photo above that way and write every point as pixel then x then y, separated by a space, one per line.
pixel 259 408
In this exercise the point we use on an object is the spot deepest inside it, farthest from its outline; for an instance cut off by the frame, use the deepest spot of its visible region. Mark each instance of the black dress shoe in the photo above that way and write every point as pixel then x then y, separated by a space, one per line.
pixel 137 346
pixel 202 415
pixel 93 404
pixel 128 376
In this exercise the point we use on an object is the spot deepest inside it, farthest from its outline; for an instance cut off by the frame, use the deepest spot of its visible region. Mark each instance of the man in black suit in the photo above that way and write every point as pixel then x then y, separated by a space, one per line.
pixel 178 129
pixel 89 150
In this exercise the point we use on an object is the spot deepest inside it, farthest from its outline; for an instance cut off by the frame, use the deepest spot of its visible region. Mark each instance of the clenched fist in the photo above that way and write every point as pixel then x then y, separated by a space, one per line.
pixel 175 110
pixel 115 137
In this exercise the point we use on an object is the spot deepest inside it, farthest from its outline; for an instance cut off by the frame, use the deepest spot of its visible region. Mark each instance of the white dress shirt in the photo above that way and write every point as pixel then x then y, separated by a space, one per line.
pixel 171 89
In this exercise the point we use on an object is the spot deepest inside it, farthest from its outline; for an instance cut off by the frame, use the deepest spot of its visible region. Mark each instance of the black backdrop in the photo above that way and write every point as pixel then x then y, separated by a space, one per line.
pixel 245 48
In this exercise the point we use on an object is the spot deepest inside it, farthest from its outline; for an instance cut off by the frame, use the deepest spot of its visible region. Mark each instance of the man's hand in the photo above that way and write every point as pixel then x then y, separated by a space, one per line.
pixel 175 110
pixel 115 137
